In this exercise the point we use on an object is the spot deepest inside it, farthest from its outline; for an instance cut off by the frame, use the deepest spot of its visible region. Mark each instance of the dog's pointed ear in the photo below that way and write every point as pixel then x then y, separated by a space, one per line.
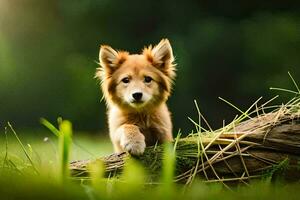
pixel 110 59
pixel 161 56
pixel 163 53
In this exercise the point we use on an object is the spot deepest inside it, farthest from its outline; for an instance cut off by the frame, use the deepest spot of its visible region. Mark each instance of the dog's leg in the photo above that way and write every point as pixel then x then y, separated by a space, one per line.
pixel 131 139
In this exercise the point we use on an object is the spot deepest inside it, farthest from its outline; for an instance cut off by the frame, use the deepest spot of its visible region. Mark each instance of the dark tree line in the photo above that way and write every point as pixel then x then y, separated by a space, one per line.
pixel 49 50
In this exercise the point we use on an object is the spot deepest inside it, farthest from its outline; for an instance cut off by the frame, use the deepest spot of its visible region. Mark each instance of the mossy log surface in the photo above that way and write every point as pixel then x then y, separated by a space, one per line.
pixel 266 146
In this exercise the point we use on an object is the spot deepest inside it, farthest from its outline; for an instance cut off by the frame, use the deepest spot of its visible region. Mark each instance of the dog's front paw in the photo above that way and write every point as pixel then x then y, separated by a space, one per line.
pixel 135 145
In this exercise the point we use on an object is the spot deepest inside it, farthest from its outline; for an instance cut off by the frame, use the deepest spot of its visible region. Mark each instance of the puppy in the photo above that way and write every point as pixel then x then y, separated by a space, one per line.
pixel 136 88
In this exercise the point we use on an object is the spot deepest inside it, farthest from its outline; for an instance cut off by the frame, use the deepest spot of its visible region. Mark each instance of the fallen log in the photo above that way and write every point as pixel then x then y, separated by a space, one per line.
pixel 263 146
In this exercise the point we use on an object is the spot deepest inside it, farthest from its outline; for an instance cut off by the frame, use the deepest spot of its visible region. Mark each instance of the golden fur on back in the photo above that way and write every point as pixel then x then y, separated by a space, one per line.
pixel 136 88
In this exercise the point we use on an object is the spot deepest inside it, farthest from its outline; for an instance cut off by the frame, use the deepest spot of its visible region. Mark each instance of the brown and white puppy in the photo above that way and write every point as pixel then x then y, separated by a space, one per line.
pixel 136 88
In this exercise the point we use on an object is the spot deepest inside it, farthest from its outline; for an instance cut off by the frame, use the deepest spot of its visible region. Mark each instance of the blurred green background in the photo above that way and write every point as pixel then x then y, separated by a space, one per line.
pixel 232 49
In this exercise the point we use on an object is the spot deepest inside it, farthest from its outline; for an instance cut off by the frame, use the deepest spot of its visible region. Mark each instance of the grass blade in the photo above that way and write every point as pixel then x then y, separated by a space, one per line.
pixel 296 85
pixel 65 141
pixel 283 90
pixel 23 148
pixel 50 126
pixel 234 107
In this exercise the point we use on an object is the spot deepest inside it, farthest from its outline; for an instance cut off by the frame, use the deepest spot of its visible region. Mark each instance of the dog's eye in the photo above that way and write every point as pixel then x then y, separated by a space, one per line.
pixel 125 80
pixel 147 79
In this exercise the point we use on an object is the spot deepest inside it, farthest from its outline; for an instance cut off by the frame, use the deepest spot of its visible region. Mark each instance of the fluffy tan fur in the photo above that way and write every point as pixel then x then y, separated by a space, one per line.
pixel 135 122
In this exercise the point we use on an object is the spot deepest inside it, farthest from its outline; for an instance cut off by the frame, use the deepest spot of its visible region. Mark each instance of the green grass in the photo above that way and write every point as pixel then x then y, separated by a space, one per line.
pixel 24 154
pixel 42 147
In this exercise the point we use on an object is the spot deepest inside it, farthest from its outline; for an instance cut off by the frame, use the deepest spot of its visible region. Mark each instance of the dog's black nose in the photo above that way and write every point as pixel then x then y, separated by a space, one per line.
pixel 137 96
